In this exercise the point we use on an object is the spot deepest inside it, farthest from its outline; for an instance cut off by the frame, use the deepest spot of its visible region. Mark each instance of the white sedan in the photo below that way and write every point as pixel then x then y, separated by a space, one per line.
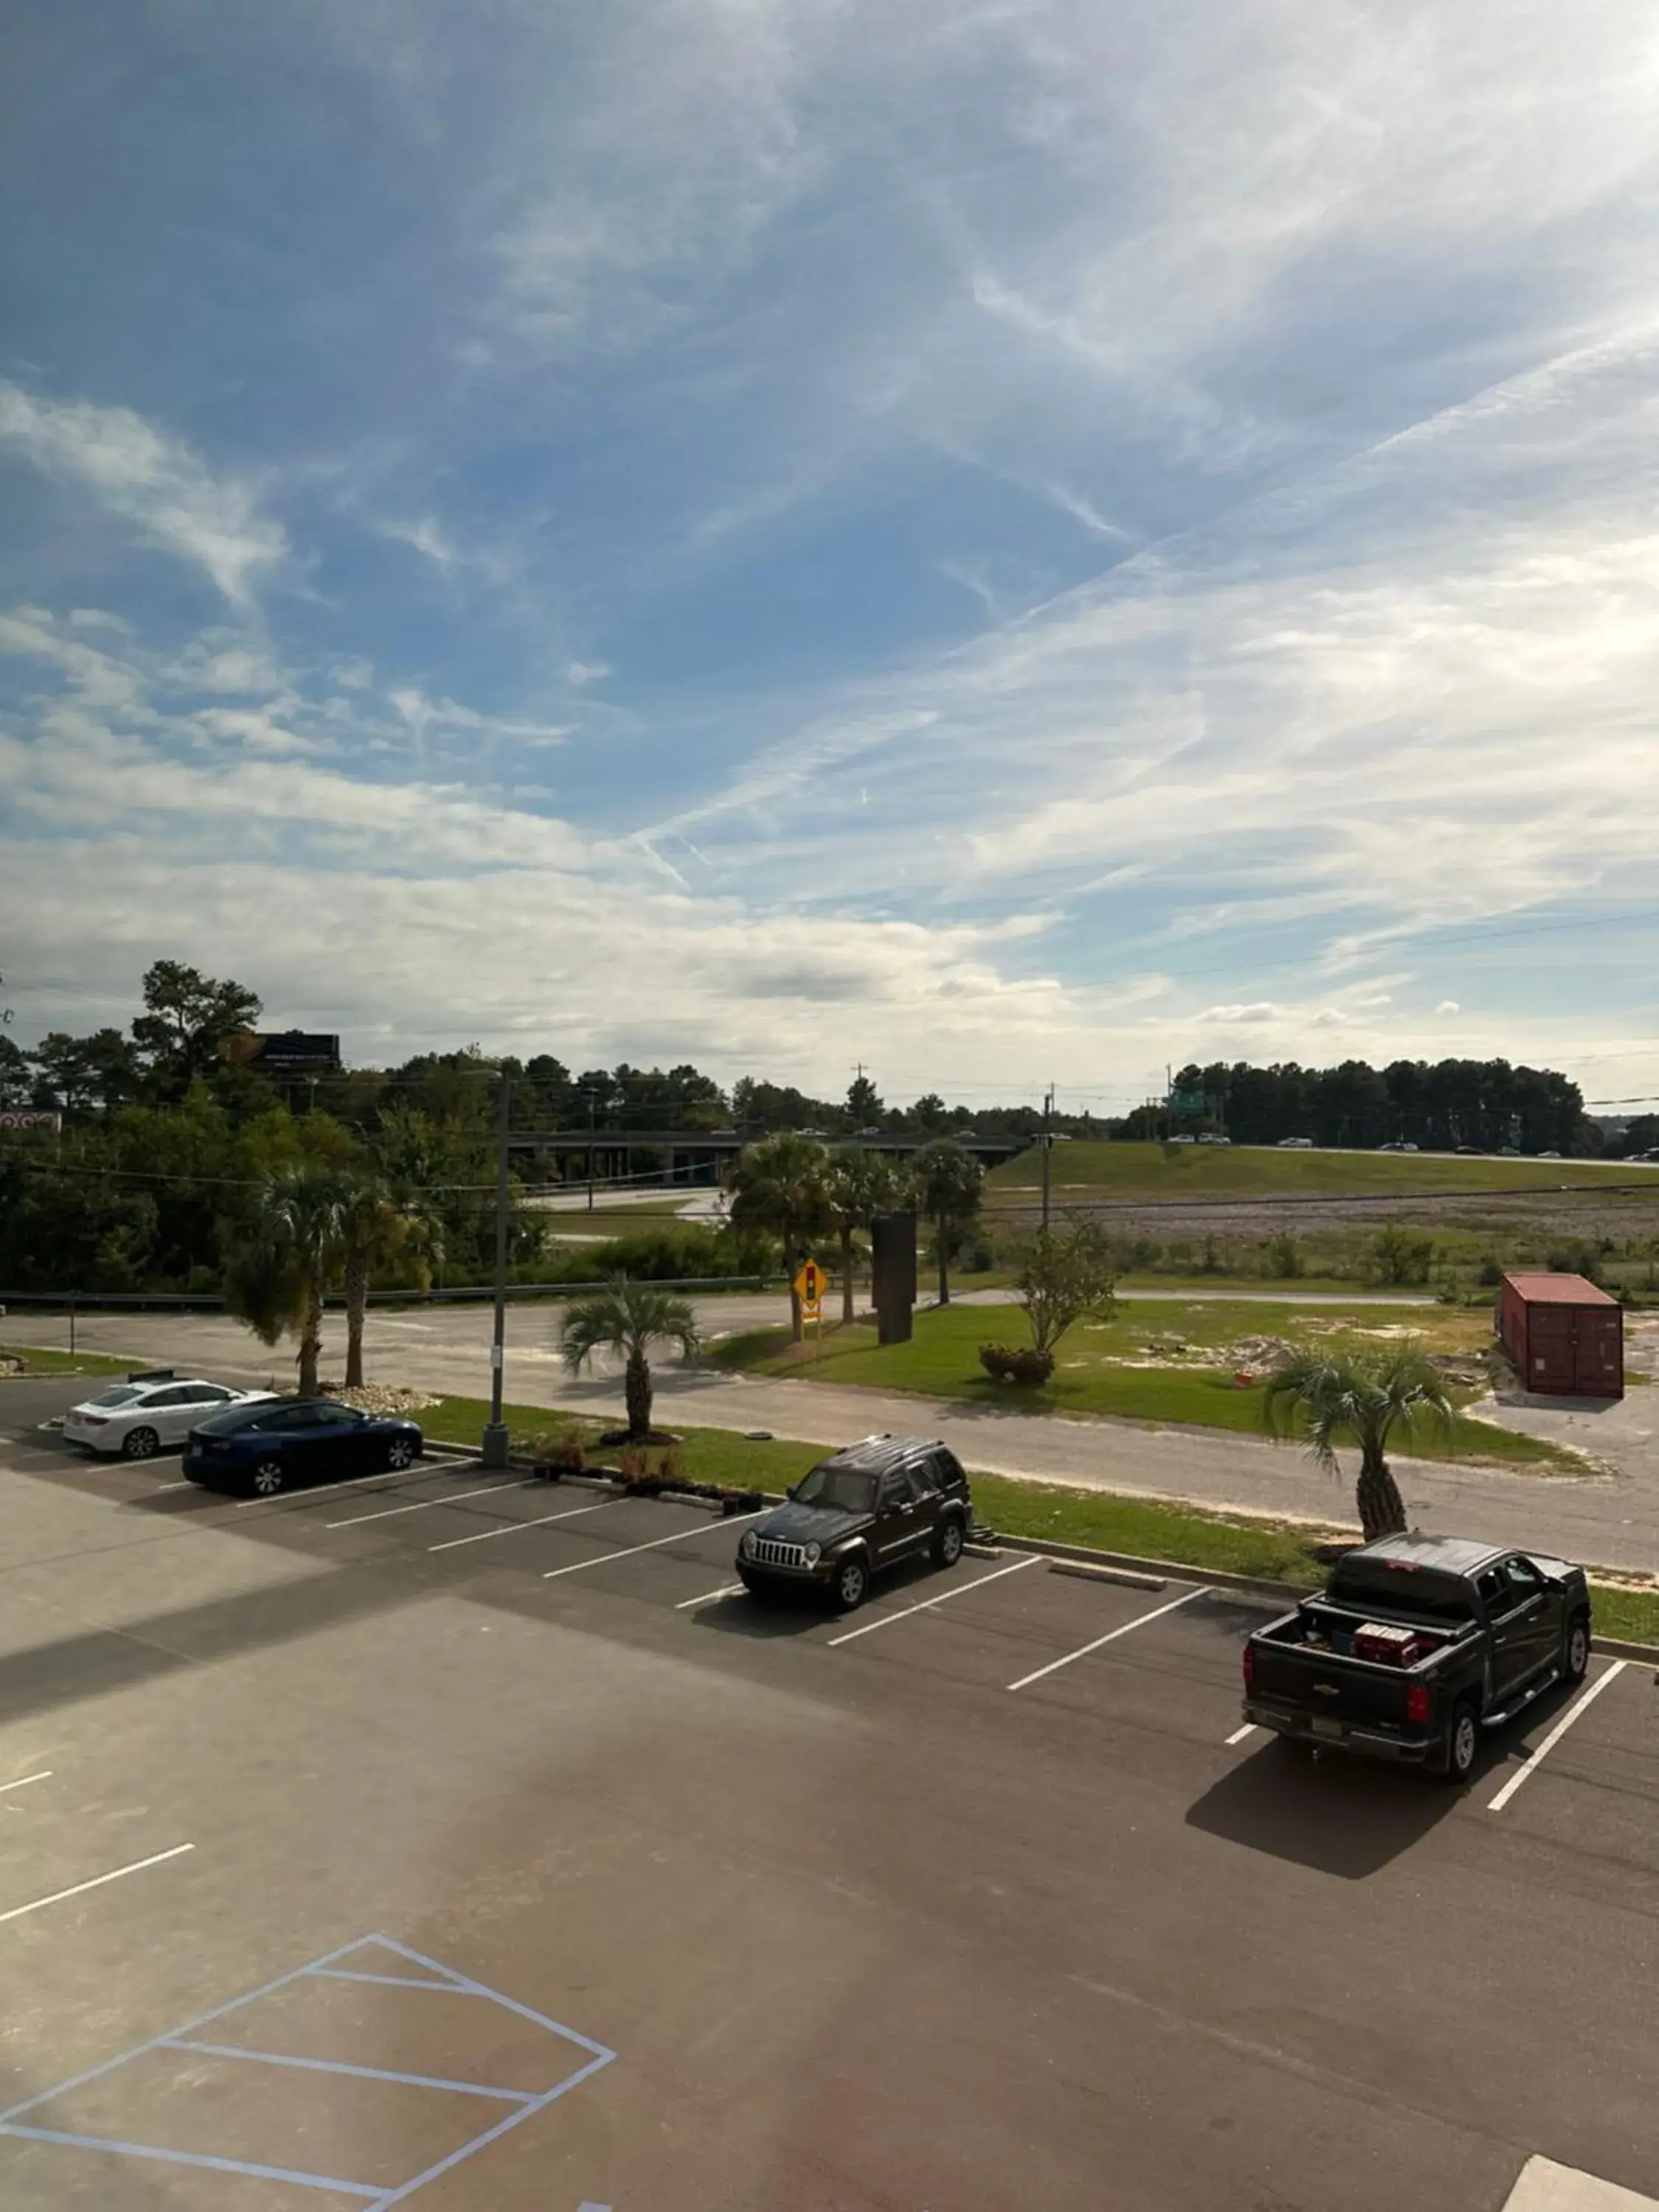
pixel 140 1417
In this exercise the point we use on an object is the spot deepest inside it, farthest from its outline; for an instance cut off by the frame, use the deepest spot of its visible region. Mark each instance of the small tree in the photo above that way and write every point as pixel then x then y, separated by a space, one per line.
pixel 859 1185
pixel 376 1233
pixel 949 1184
pixel 281 1264
pixel 781 1186
pixel 1069 1276
pixel 1398 1256
pixel 627 1318
pixel 1365 1400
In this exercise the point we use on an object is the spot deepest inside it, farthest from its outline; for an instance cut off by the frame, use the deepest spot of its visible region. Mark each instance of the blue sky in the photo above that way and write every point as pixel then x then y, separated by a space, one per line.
pixel 1006 543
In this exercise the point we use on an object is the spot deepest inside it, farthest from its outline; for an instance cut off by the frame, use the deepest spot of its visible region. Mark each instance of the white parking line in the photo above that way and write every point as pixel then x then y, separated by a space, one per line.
pixel 1579 1705
pixel 425 1504
pixel 515 1528
pixel 1239 1735
pixel 98 1880
pixel 186 1484
pixel 24 1780
pixel 725 1589
pixel 1111 1637
pixel 307 1491
pixel 656 1544
pixel 885 1619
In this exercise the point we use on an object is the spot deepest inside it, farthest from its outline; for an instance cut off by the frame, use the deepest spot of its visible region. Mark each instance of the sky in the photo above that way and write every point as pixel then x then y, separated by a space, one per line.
pixel 1004 542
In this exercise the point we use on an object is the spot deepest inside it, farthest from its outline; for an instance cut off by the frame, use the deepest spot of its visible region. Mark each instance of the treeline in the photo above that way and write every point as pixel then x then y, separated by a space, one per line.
pixel 1437 1105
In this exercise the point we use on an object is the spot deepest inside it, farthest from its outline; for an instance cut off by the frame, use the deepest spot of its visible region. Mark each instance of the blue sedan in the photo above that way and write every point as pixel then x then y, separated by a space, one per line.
pixel 272 1446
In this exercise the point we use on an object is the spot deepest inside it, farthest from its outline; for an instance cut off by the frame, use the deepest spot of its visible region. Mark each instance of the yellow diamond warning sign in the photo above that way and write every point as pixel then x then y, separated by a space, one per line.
pixel 810 1284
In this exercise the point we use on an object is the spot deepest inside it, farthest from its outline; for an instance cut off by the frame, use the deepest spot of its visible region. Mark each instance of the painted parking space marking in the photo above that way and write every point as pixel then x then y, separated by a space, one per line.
pixel 565 2059
pixel 1239 1735
pixel 426 1505
pixel 656 1544
pixel 725 1589
pixel 80 1888
pixel 24 1780
pixel 1580 1705
pixel 517 1527
pixel 338 2066
pixel 317 1494
pixel 886 1620
pixel 1544 2187
pixel 1110 1637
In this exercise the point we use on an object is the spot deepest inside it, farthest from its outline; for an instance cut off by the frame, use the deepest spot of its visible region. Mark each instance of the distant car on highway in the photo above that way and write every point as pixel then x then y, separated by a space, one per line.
pixel 1402 1147
pixel 287 1441
pixel 873 1506
pixel 149 1413
pixel 1296 1143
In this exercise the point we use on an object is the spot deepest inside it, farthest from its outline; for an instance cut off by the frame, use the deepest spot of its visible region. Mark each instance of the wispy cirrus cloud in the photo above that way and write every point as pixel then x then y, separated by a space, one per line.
pixel 153 482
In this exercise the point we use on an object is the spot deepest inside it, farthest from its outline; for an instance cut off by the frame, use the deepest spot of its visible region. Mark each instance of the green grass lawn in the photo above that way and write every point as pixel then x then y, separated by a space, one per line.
pixel 719 1456
pixel 942 1361
pixel 40 1360
pixel 1084 1171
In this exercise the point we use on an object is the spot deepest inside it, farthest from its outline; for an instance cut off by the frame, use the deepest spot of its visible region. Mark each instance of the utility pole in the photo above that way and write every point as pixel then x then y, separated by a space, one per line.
pixel 590 1151
pixel 1047 1149
pixel 495 1436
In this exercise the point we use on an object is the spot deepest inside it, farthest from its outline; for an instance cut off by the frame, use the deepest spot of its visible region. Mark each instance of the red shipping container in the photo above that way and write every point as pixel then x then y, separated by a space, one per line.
pixel 1565 1337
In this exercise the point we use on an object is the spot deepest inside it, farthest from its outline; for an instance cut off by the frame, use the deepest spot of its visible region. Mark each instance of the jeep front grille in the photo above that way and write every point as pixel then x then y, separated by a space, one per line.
pixel 771 1552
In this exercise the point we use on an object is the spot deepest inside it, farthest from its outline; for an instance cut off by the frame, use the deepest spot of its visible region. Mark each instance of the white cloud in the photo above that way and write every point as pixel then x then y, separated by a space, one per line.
pixel 152 481
pixel 581 672
pixel 1448 1006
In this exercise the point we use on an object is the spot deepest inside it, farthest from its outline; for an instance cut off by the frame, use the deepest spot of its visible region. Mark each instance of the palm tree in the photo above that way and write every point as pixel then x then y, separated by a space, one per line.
pixel 280 1268
pixel 1365 1400
pixel 781 1186
pixel 950 1183
pixel 859 1185
pixel 377 1233
pixel 628 1318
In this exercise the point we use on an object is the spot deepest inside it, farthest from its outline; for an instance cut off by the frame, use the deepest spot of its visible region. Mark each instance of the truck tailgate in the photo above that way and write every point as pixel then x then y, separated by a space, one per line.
pixel 1349 1692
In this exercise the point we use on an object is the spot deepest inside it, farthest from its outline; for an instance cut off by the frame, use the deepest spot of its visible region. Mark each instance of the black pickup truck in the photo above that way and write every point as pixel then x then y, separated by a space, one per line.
pixel 1417 1643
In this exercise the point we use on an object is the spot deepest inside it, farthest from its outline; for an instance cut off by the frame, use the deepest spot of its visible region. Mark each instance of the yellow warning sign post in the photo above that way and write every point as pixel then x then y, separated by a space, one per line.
pixel 811 1284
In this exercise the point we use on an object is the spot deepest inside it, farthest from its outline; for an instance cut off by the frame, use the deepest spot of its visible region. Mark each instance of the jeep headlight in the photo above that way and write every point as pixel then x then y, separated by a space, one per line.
pixel 814 1553
pixel 747 1547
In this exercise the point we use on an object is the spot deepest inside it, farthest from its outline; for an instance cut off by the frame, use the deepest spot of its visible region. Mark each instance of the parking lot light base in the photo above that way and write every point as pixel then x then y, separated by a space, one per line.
pixel 494 1444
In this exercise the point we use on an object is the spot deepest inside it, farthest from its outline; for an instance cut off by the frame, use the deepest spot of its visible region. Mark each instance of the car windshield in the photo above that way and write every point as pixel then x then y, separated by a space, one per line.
pixel 122 1395
pixel 843 1489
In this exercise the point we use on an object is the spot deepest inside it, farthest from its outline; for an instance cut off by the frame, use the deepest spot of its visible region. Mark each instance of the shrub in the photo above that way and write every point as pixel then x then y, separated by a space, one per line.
pixel 670 1468
pixel 1397 1256
pixel 1284 1256
pixel 1490 1273
pixel 631 1463
pixel 1022 1365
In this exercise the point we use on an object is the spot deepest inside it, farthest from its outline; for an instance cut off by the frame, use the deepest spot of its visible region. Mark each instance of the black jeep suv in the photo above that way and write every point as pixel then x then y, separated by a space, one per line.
pixel 868 1508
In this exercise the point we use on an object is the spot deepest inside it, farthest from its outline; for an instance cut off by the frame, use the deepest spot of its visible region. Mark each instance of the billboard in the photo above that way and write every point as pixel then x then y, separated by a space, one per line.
pixel 32 1118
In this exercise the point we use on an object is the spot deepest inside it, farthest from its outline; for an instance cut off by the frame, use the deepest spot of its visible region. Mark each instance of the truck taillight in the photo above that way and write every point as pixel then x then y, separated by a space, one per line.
pixel 1249 1667
pixel 1416 1704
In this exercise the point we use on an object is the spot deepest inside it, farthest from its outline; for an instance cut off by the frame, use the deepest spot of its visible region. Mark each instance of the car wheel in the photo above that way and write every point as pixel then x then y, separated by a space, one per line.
pixel 1462 1746
pixel 1575 1650
pixel 852 1584
pixel 140 1443
pixel 947 1545
pixel 268 1478
pixel 400 1452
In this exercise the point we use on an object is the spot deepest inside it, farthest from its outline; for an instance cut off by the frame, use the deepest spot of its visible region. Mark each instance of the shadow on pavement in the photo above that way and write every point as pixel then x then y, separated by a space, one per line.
pixel 1339 1815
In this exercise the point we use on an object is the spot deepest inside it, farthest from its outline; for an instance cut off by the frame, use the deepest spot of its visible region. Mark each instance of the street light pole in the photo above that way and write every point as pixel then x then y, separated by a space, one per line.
pixel 495 1434
pixel 591 1106
pixel 1047 1149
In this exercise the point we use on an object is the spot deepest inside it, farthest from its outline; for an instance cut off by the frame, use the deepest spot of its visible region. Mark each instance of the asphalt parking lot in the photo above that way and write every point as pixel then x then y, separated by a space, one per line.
pixel 439 1840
